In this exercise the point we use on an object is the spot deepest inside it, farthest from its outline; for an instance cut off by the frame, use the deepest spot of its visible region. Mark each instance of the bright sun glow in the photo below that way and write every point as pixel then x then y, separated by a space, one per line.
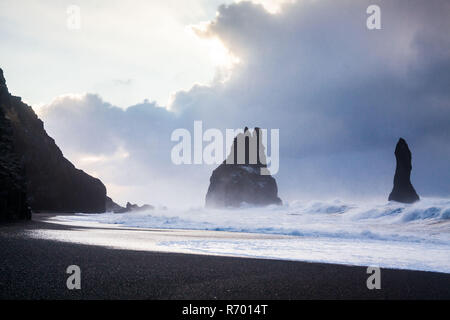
pixel 272 6
pixel 220 56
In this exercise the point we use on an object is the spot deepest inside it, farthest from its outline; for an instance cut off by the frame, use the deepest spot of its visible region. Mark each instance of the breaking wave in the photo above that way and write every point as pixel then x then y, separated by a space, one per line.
pixel 425 221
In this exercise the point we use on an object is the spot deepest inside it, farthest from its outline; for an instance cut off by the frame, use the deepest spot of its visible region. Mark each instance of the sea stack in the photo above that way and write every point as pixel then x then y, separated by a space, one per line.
pixel 403 190
pixel 239 180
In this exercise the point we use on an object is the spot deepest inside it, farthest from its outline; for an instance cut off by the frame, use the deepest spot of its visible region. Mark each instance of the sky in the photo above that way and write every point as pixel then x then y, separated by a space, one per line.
pixel 126 51
pixel 112 92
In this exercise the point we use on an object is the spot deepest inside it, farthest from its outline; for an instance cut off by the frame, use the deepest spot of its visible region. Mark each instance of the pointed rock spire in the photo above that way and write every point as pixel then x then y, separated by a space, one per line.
pixel 238 180
pixel 403 190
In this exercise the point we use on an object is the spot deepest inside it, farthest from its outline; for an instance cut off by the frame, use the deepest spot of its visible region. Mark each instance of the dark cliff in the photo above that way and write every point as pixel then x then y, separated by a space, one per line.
pixel 13 200
pixel 52 182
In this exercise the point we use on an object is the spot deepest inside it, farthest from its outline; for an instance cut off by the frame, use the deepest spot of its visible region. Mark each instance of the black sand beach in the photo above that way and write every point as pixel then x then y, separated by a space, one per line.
pixel 35 269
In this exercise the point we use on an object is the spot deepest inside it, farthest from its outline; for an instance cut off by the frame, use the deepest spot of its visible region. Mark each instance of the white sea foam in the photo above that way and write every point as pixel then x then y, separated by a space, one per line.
pixel 413 236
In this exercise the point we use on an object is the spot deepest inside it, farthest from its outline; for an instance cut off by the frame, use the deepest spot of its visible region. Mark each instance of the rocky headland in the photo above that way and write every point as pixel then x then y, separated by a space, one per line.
pixel 34 172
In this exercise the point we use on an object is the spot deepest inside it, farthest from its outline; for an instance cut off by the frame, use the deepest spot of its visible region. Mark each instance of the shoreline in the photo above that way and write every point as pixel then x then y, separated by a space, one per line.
pixel 353 251
pixel 35 268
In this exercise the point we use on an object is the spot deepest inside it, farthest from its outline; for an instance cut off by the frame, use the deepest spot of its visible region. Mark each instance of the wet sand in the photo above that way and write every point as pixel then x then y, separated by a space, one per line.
pixel 124 263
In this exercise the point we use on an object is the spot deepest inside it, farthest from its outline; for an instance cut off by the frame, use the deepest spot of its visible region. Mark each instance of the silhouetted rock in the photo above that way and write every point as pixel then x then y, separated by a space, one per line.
pixel 238 180
pixel 13 200
pixel 111 206
pixel 403 190
pixel 133 207
pixel 52 181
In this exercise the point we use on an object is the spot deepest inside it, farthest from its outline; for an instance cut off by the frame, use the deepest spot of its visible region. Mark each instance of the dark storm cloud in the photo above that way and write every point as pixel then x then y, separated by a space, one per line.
pixel 340 94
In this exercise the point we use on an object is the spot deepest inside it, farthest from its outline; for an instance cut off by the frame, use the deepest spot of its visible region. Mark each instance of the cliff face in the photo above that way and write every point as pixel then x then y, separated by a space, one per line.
pixel 403 191
pixel 236 182
pixel 13 200
pixel 52 182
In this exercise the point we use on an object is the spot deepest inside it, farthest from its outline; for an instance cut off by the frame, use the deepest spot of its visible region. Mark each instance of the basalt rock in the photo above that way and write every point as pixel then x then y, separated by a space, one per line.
pixel 111 206
pixel 13 200
pixel 133 208
pixel 52 182
pixel 239 179
pixel 403 190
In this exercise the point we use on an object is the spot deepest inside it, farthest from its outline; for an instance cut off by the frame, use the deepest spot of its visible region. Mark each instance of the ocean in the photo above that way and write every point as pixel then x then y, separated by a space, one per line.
pixel 384 234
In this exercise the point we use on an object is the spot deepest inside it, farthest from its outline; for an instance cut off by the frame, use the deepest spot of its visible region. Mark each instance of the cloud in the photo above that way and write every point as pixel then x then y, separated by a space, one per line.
pixel 123 82
pixel 340 94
